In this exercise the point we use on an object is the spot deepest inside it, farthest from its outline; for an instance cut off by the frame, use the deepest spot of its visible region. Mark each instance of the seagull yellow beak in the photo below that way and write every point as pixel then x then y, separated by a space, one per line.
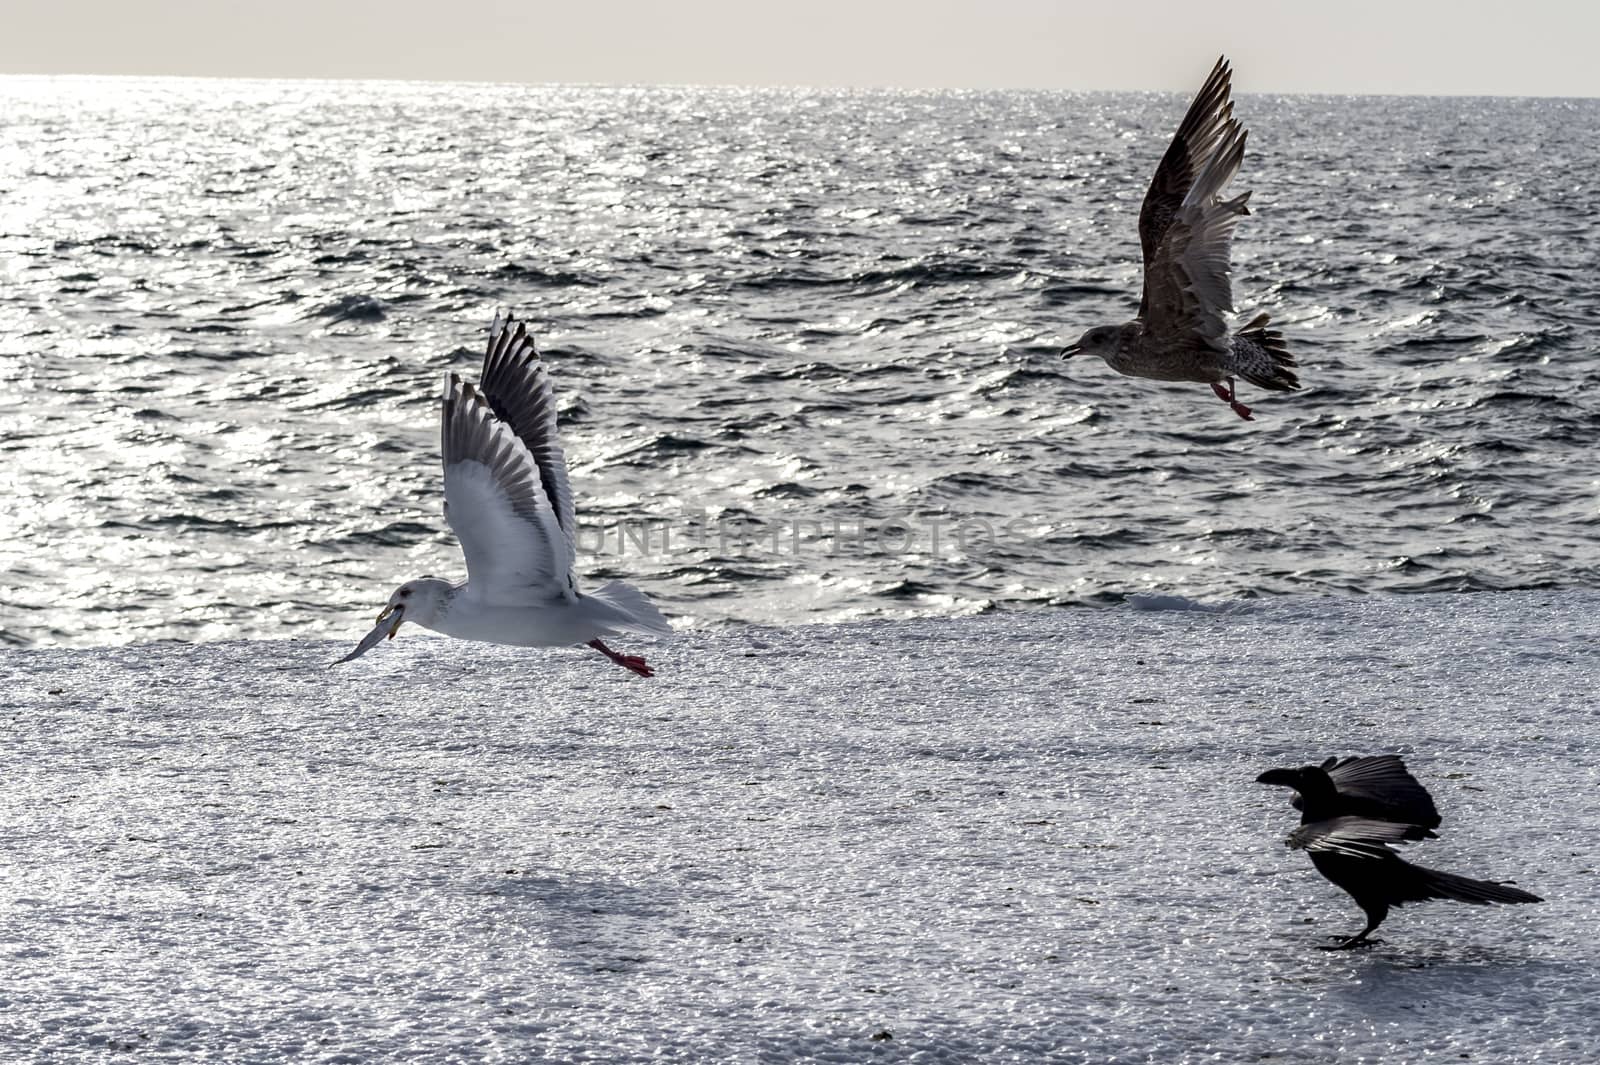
pixel 399 613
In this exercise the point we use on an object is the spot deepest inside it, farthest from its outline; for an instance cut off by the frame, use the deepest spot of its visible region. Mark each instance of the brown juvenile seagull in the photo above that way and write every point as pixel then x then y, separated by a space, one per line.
pixel 1185 228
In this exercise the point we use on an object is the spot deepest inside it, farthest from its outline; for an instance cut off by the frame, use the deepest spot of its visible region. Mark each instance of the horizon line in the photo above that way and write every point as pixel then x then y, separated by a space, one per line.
pixel 355 79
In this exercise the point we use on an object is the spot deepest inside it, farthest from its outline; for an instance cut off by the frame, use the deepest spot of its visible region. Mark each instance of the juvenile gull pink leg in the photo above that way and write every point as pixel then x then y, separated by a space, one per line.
pixel 630 662
pixel 1227 396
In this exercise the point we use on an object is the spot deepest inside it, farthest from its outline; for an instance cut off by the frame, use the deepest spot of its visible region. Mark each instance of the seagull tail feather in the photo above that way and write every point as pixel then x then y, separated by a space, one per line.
pixel 630 609
pixel 1263 357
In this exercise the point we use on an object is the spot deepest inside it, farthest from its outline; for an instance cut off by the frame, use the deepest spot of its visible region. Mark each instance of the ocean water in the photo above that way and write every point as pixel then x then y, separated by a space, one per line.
pixel 805 345
pixel 1019 838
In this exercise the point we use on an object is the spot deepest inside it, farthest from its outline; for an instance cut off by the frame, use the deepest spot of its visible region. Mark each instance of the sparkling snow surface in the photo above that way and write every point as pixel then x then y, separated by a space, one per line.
pixel 1006 838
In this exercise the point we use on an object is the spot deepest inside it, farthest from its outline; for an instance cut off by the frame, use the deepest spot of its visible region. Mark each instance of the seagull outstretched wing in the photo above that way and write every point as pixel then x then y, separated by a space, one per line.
pixel 518 390
pixel 496 502
pixel 1186 281
pixel 1203 130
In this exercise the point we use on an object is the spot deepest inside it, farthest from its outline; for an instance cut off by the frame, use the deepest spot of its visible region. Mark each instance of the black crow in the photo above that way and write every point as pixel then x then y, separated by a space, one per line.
pixel 1351 810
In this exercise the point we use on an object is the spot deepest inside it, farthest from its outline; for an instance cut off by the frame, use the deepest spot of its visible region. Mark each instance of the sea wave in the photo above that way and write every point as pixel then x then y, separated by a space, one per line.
pixel 228 305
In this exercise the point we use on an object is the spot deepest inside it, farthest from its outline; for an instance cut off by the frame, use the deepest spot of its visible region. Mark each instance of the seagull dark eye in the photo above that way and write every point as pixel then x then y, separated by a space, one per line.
pixel 404 592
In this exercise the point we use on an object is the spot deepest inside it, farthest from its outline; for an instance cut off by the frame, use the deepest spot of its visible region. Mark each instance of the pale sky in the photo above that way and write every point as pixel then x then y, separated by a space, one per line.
pixel 1506 47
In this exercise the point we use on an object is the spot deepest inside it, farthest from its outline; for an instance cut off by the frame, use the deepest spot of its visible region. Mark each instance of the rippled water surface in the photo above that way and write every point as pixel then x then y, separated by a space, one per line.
pixel 804 342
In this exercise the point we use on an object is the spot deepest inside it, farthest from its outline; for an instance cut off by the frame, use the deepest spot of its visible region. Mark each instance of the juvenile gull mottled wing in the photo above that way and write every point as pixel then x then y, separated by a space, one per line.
pixel 495 501
pixel 1209 122
pixel 520 393
pixel 1356 837
pixel 1379 786
pixel 1186 280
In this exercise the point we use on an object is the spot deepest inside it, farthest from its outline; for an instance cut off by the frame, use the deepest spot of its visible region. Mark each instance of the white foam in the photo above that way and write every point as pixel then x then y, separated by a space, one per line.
pixel 1158 601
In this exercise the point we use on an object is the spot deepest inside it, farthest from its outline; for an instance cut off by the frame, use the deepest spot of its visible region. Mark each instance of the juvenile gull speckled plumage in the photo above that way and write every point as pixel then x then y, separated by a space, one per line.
pixel 1185 229
pixel 508 501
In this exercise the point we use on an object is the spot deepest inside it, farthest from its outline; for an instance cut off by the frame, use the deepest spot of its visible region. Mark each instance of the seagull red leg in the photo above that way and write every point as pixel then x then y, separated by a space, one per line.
pixel 1228 396
pixel 630 662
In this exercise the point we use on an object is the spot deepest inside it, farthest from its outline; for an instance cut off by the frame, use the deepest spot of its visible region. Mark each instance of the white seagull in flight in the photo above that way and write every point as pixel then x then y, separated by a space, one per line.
pixel 1185 231
pixel 507 499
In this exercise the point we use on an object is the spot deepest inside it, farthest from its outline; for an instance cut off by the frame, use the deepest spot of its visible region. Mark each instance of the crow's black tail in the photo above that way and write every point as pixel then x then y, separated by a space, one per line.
pixel 1465 889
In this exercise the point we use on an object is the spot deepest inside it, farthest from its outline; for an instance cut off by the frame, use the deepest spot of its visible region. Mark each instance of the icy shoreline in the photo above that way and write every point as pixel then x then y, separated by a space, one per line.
pixel 1017 837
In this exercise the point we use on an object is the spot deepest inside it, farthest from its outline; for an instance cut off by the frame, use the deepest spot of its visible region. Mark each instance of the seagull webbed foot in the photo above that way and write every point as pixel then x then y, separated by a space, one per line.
pixel 1228 396
pixel 633 663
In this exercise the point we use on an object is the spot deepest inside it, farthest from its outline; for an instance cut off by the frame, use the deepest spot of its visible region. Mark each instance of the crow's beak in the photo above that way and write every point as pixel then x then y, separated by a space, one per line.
pixel 1288 778
pixel 1069 352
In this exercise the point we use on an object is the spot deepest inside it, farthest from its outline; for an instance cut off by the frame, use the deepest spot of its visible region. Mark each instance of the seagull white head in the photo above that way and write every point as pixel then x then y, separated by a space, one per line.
pixel 417 601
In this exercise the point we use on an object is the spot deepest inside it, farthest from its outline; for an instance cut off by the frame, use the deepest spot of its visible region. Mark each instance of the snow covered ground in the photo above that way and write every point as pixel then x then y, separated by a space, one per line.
pixel 1027 837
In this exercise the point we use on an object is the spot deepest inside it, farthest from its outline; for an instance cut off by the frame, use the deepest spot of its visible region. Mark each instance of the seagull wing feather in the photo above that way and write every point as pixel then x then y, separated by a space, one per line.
pixel 496 503
pixel 517 387
pixel 1187 282
pixel 1207 125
